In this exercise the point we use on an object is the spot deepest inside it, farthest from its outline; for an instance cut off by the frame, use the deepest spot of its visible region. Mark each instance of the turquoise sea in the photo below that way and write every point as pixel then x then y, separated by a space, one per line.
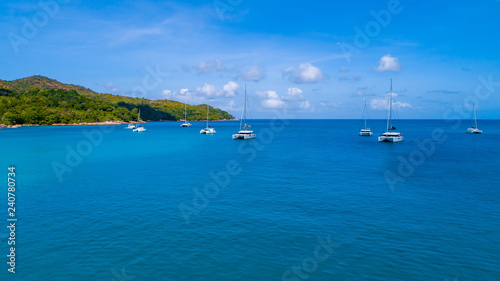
pixel 306 200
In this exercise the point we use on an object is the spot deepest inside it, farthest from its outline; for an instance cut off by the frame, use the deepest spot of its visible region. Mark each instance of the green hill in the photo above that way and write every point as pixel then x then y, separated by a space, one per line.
pixel 44 101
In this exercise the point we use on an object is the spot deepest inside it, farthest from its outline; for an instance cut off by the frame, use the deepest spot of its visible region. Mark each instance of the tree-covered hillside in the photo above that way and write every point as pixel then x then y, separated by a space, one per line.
pixel 44 101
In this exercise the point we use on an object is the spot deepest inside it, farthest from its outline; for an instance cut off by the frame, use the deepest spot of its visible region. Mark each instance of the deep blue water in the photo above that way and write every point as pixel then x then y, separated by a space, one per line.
pixel 116 215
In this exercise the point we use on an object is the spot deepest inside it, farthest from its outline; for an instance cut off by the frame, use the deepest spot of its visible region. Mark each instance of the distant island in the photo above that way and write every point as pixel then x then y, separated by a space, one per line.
pixel 38 100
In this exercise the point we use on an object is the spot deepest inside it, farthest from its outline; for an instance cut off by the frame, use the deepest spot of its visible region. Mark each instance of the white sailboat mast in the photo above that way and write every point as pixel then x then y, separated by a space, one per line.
pixel 475 119
pixel 365 114
pixel 389 126
pixel 207 114
pixel 244 115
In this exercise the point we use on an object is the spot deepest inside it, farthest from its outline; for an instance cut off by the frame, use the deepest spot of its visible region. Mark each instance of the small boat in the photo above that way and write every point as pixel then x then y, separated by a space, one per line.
pixel 244 134
pixel 474 130
pixel 130 126
pixel 366 132
pixel 208 130
pixel 186 123
pixel 139 128
pixel 390 136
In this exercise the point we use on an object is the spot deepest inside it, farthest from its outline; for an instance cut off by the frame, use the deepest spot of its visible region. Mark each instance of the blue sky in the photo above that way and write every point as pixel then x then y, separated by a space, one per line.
pixel 290 54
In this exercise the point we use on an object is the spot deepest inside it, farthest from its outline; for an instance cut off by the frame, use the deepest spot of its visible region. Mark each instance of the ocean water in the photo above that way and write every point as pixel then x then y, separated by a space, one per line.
pixel 306 200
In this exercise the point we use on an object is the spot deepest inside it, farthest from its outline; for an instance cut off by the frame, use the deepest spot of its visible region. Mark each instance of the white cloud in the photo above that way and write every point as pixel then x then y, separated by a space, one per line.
pixel 305 105
pixel 378 104
pixel 329 105
pixel 185 95
pixel 272 95
pixel 172 94
pixel 207 93
pixel 219 64
pixel 361 92
pixel 209 90
pixel 230 88
pixel 383 103
pixel 168 94
pixel 113 88
pixel 294 94
pixel 305 73
pixel 402 104
pixel 210 66
pixel 273 103
pixel 204 67
pixel 271 99
pixel 229 106
pixel 388 63
pixel 254 74
pixel 293 100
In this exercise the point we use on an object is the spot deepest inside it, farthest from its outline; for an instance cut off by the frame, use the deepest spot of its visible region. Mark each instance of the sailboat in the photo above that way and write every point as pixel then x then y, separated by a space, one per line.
pixel 366 131
pixel 390 135
pixel 474 130
pixel 186 123
pixel 139 128
pixel 208 130
pixel 245 133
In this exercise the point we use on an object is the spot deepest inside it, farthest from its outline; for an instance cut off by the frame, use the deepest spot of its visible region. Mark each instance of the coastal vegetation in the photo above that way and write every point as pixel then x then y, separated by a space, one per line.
pixel 43 101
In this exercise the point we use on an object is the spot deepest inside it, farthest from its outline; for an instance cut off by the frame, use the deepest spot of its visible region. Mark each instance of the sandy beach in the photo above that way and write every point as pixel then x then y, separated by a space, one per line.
pixel 99 123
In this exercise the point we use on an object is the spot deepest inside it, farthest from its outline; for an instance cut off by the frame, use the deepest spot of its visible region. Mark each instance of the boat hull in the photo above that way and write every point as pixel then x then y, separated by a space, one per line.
pixel 473 131
pixel 244 136
pixel 207 131
pixel 365 134
pixel 390 139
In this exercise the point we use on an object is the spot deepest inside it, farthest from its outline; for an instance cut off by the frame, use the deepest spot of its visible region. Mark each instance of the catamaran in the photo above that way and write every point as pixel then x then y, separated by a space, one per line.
pixel 139 128
pixel 366 131
pixel 208 130
pixel 186 123
pixel 245 133
pixel 390 135
pixel 474 130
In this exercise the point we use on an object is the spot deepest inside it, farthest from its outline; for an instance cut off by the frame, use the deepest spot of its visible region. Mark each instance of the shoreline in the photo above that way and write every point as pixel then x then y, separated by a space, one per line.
pixel 101 123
